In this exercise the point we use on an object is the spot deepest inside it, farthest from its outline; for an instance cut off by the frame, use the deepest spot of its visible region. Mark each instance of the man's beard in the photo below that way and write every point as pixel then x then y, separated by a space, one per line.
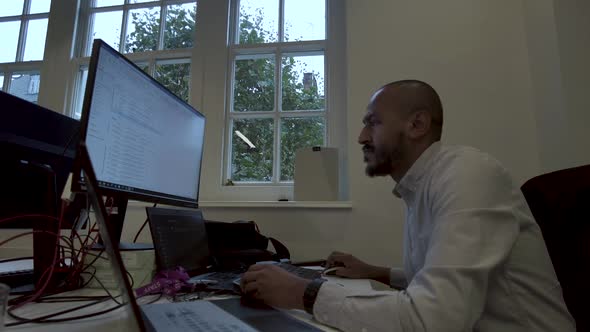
pixel 384 160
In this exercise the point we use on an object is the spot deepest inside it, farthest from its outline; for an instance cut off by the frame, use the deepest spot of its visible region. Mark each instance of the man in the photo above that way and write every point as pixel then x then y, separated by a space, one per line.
pixel 474 259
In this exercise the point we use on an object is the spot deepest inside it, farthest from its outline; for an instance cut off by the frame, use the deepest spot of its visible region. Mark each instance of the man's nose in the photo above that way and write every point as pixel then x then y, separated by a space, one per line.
pixel 364 137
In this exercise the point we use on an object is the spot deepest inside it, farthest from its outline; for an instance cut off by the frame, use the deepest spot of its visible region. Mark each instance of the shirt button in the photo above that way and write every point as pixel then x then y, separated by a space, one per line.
pixel 364 329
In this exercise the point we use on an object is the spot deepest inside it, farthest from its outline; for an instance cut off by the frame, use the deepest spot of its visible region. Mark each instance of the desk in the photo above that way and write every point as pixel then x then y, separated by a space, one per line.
pixel 119 319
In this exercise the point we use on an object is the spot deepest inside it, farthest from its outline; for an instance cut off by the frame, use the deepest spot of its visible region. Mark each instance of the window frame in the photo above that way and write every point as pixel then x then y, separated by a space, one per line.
pixel 280 49
pixel 83 45
pixel 209 58
pixel 19 65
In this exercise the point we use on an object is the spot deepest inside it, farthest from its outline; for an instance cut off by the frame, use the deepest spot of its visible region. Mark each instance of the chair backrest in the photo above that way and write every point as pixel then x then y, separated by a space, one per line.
pixel 560 203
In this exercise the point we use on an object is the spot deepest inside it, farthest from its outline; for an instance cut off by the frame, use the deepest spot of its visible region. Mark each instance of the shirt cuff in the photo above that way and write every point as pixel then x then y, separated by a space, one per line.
pixel 397 278
pixel 328 302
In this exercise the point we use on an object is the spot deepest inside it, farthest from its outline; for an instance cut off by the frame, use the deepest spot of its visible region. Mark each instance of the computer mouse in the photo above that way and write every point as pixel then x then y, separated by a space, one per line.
pixel 332 270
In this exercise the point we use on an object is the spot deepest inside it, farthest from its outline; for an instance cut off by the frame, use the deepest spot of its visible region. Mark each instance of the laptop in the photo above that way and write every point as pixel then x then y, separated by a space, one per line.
pixel 180 239
pixel 215 315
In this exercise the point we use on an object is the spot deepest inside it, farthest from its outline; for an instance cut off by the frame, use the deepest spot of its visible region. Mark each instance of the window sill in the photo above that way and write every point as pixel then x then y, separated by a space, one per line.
pixel 277 204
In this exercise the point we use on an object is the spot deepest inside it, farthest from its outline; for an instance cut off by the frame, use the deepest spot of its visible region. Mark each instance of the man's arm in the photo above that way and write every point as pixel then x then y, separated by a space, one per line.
pixel 354 268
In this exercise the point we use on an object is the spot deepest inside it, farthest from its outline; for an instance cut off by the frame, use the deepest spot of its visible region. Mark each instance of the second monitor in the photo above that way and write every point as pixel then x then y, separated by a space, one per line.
pixel 144 142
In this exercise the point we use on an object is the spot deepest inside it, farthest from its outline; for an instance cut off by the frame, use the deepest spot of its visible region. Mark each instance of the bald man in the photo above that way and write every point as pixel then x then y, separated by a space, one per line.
pixel 474 258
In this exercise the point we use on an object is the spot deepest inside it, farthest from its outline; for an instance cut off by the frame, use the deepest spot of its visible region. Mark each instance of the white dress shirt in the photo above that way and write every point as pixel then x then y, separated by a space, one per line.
pixel 474 257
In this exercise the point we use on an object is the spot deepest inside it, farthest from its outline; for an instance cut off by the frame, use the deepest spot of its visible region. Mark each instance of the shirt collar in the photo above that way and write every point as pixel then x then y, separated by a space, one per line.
pixel 409 182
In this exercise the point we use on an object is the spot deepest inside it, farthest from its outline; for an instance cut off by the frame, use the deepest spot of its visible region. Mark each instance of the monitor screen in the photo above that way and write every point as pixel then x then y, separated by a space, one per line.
pixel 142 139
pixel 35 143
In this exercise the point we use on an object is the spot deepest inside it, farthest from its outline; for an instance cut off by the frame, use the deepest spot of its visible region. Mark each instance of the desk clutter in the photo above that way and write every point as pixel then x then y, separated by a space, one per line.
pixel 214 254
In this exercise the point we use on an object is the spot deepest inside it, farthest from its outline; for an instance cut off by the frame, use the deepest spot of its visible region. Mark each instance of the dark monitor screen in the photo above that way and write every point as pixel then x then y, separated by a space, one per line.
pixel 34 142
pixel 144 141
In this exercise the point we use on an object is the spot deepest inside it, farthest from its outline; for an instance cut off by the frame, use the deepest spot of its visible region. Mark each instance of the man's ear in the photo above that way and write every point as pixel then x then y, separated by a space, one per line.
pixel 419 124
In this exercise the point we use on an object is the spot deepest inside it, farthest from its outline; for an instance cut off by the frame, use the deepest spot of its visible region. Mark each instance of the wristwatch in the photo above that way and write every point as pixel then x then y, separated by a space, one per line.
pixel 310 294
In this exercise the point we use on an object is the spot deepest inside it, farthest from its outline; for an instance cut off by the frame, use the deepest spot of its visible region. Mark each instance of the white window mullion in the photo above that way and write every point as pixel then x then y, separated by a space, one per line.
pixel 230 138
pixel 163 13
pixel 85 24
pixel 123 36
pixel 277 118
pixel 234 34
pixel 7 80
pixel 22 36
pixel 281 21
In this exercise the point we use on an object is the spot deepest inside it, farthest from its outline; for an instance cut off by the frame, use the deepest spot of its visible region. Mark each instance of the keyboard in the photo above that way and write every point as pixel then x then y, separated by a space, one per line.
pixel 222 280
pixel 230 280
pixel 301 271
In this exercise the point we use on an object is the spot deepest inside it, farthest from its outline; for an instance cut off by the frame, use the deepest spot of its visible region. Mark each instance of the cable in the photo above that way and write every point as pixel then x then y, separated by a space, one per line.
pixel 132 282
pixel 29 216
pixel 142 226
pixel 45 319
pixel 14 259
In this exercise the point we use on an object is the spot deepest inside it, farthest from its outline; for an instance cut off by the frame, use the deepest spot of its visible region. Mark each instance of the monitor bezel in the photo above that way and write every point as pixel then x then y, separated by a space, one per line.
pixel 142 195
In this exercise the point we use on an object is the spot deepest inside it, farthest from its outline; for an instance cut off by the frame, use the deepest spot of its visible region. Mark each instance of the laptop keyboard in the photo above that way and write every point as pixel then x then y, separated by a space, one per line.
pixel 301 271
pixel 230 280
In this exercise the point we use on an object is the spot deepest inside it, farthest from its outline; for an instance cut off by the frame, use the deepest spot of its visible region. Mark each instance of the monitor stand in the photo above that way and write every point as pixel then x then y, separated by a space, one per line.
pixel 116 220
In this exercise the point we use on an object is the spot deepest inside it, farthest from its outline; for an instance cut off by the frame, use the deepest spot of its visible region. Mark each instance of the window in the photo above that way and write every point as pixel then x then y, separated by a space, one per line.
pixel 277 96
pixel 133 28
pixel 23 29
pixel 261 72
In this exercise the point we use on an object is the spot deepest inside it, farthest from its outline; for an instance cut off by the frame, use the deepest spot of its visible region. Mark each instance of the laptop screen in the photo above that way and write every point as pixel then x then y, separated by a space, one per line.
pixel 180 239
pixel 125 298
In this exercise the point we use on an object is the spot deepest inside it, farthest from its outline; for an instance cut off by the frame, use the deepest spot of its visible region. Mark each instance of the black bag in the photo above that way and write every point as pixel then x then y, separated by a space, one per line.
pixel 239 244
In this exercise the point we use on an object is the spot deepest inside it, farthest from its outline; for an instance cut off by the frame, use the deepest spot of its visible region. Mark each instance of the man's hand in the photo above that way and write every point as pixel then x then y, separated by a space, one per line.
pixel 274 285
pixel 353 267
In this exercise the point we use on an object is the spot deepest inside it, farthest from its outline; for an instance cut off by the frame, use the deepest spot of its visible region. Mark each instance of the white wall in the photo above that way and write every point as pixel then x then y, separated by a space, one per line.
pixel 572 19
pixel 558 39
pixel 476 54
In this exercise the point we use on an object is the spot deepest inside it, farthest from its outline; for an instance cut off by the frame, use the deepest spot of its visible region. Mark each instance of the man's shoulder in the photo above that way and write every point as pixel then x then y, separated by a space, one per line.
pixel 463 160
pixel 456 154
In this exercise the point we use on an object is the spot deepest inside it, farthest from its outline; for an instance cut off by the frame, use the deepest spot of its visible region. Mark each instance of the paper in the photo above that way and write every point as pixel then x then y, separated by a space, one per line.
pixel 192 316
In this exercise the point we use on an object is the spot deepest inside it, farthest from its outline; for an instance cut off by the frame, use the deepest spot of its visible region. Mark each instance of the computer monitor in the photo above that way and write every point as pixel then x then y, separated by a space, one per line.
pixel 37 149
pixel 145 143
pixel 33 141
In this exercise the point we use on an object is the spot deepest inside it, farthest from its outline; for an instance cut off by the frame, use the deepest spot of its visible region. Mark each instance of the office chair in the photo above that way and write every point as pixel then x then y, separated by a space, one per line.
pixel 560 203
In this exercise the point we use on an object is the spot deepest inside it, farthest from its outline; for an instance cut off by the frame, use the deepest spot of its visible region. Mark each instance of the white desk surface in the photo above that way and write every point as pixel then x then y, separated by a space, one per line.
pixel 119 319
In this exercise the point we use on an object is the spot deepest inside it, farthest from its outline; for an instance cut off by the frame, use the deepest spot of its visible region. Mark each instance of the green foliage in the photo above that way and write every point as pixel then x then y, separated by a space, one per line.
pixel 252 164
pixel 179 33
pixel 298 133
pixel 254 90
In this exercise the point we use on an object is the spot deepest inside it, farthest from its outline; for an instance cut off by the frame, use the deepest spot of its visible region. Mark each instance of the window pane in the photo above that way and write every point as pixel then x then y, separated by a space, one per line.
pixel 107 26
pixel 254 85
pixel 144 66
pixel 252 162
pixel 40 6
pixel 140 1
pixel 9 40
pixel 11 7
pixel 143 28
pixel 1 82
pixel 305 20
pixel 83 77
pixel 35 43
pixel 104 3
pixel 180 26
pixel 259 21
pixel 175 77
pixel 25 86
pixel 303 83
pixel 298 133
